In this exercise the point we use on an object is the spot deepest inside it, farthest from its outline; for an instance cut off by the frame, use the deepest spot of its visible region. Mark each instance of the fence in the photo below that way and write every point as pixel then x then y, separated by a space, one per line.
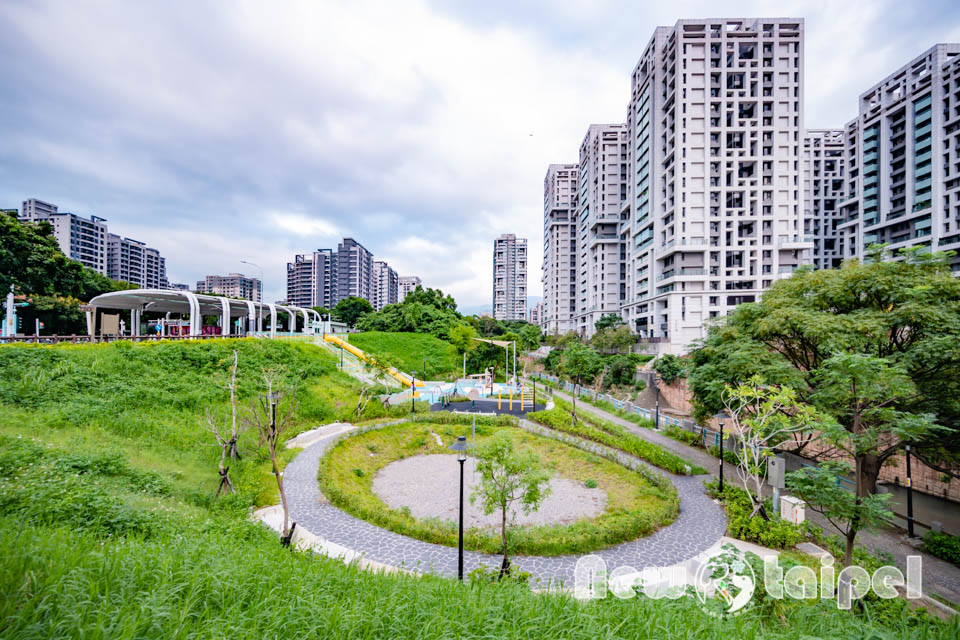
pixel 623 405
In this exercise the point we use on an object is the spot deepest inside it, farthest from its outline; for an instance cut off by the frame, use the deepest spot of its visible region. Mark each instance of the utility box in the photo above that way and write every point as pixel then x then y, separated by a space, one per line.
pixel 792 509
pixel 775 472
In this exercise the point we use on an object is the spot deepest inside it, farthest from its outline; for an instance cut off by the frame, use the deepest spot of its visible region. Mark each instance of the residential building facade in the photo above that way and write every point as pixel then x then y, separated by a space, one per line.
pixel 132 261
pixel 312 279
pixel 385 285
pixel 535 314
pixel 354 271
pixel 234 285
pixel 509 277
pixel 559 270
pixel 408 284
pixel 602 187
pixel 89 241
pixel 903 182
pixel 694 205
pixel 824 175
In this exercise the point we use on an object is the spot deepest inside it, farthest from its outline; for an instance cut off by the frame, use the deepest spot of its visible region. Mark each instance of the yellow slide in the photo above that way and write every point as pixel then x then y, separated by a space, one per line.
pixel 399 376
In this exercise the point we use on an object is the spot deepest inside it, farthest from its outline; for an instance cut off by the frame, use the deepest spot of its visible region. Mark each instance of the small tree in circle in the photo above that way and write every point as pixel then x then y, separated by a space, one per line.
pixel 509 477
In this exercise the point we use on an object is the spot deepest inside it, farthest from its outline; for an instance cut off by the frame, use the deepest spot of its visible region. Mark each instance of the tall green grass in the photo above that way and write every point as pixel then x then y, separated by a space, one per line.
pixel 238 583
pixel 108 528
pixel 410 351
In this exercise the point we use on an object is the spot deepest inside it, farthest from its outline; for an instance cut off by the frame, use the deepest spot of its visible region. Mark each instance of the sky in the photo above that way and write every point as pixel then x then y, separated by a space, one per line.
pixel 225 131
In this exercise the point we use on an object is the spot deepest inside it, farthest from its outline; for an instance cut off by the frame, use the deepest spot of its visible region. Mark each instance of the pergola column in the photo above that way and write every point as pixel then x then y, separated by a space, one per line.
pixel 224 317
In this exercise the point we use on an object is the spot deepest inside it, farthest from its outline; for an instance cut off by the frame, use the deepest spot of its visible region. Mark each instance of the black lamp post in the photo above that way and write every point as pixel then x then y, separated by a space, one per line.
pixel 720 417
pixel 460 446
pixel 413 391
pixel 910 532
pixel 273 397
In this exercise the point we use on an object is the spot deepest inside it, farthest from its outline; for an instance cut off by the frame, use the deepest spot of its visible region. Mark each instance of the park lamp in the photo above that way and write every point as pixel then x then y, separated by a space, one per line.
pixel 460 446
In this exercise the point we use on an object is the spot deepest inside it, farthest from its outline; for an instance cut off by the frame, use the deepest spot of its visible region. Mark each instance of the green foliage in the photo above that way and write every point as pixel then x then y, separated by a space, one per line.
pixel 609 321
pixel 580 362
pixel 31 261
pixel 636 506
pixel 670 367
pixel 409 352
pixel 593 428
pixel 847 511
pixel 422 311
pixel 682 435
pixel 351 309
pixel 509 477
pixel 905 312
pixel 774 533
pixel 943 545
pixel 590 483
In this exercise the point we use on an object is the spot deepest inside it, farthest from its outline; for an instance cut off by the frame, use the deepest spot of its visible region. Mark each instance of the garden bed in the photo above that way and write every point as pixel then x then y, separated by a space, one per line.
pixel 635 507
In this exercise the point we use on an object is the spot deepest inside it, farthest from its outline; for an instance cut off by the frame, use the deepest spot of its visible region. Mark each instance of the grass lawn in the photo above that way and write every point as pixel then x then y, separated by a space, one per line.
pixel 407 351
pixel 635 506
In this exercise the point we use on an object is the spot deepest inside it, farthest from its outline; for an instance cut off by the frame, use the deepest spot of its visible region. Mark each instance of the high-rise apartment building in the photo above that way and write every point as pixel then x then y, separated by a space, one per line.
pixel 132 261
pixel 535 314
pixel 354 271
pixel 408 284
pixel 82 239
pixel 385 285
pixel 602 187
pixel 559 271
pixel 824 173
pixel 235 285
pixel 903 159
pixel 694 205
pixel 88 241
pixel 715 216
pixel 312 279
pixel 510 277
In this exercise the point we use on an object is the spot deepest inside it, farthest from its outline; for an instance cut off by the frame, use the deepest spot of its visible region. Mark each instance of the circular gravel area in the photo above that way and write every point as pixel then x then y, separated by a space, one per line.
pixel 429 486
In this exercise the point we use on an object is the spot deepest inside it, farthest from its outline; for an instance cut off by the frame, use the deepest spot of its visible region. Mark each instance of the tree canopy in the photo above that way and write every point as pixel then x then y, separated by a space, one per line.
pixel 903 315
pixel 351 309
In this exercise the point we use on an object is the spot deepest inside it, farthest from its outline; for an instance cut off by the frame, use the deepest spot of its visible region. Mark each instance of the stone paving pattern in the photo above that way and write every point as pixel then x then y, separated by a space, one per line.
pixel 700 524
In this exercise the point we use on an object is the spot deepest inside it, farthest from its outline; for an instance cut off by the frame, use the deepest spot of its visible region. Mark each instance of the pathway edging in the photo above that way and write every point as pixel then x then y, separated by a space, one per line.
pixel 699 525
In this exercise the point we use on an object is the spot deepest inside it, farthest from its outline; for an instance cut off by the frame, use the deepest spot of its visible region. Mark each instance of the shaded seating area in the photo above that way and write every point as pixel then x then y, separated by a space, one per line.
pixel 142 313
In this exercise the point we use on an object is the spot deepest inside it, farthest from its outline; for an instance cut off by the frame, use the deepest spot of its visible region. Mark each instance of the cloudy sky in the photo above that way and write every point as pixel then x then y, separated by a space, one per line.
pixel 227 131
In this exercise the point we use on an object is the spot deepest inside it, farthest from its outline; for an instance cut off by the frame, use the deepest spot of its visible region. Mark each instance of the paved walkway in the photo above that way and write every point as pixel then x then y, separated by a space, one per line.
pixel 938 576
pixel 700 524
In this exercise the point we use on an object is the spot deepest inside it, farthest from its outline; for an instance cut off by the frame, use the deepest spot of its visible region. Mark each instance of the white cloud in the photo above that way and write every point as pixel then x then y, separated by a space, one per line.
pixel 249 130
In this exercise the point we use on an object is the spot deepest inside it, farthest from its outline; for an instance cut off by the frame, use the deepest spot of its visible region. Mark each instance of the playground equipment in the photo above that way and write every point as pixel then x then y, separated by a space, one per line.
pixel 399 376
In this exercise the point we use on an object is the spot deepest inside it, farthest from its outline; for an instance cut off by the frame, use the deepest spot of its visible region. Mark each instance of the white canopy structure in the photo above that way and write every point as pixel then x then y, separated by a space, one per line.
pixel 196 305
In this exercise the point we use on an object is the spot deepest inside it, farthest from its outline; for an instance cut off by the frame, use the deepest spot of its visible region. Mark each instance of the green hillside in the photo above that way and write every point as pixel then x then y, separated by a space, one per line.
pixel 407 351
pixel 109 528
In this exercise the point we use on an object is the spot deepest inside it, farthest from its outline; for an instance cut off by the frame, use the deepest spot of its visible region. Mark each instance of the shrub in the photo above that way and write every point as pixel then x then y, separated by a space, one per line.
pixel 682 435
pixel 590 427
pixel 590 483
pixel 774 533
pixel 943 545
pixel 670 367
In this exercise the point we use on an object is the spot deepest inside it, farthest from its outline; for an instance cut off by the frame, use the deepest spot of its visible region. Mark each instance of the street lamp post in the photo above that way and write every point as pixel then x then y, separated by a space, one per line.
pixel 460 446
pixel 720 417
pixel 910 532
pixel 413 391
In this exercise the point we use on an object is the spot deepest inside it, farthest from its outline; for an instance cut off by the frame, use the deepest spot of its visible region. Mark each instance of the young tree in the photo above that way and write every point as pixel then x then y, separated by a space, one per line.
pixel 608 321
pixel 848 512
pixel 579 360
pixel 509 477
pixel 763 417
pixel 228 445
pixel 271 416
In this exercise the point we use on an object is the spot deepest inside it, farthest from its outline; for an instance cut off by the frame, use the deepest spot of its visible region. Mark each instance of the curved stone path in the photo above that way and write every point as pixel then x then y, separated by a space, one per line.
pixel 700 524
